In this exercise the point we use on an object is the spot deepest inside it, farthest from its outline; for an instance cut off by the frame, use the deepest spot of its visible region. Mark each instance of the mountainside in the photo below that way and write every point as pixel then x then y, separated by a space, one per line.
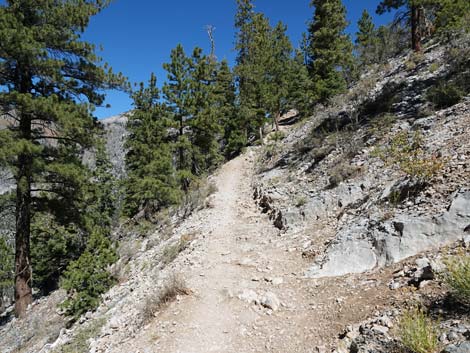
pixel 316 241
pixel 327 178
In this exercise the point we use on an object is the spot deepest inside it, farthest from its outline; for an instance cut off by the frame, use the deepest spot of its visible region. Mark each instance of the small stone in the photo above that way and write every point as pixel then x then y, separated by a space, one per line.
pixel 249 296
pixel 270 301
pixel 453 336
pixel 380 329
pixel 386 321
pixel 463 347
pixel 422 263
pixel 443 338
pixel 424 284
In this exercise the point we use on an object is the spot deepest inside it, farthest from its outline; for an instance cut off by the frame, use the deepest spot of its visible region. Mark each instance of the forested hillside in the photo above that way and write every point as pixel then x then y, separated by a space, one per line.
pixel 355 148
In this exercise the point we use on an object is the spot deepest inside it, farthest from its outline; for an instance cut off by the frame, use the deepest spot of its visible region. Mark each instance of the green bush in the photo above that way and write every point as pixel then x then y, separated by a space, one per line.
pixel 444 95
pixel 277 136
pixel 80 343
pixel 407 151
pixel 458 277
pixel 87 278
pixel 417 332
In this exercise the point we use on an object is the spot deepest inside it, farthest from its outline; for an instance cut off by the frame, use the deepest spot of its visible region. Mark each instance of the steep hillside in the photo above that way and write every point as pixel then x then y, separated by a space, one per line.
pixel 317 241
pixel 355 176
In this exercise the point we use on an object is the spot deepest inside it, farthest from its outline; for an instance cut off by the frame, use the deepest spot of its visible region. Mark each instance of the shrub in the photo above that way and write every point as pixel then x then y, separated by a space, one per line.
pixel 406 151
pixel 86 278
pixel 196 197
pixel 444 95
pixel 80 342
pixel 434 67
pixel 417 332
pixel 301 201
pixel 171 251
pixel 381 125
pixel 175 285
pixel 277 136
pixel 342 172
pixel 458 277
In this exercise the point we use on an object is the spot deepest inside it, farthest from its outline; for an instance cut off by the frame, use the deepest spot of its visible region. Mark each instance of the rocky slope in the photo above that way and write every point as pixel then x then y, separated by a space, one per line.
pixel 314 242
pixel 370 213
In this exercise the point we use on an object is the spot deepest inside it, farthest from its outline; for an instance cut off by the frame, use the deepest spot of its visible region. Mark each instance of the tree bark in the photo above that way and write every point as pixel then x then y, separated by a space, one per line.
pixel 23 273
pixel 415 28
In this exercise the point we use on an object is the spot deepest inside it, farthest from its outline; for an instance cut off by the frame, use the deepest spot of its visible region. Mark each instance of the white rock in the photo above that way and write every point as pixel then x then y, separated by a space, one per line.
pixel 270 301
pixel 249 296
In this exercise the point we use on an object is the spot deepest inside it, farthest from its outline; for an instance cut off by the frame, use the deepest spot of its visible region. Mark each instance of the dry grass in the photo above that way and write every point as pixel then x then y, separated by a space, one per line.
pixel 171 252
pixel 417 332
pixel 175 285
pixel 458 277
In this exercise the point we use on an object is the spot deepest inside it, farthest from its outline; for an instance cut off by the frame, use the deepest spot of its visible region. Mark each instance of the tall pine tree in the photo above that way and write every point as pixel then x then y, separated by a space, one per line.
pixel 206 130
pixel 278 73
pixel 366 39
pixel 329 49
pixel 151 177
pixel 178 96
pixel 50 82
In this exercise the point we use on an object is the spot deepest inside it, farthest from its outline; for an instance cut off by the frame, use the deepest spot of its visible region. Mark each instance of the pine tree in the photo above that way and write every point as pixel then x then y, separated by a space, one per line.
pixel 278 73
pixel 258 77
pixel 58 239
pixel 241 128
pixel 366 39
pixel 41 80
pixel 101 197
pixel 225 103
pixel 178 96
pixel 329 49
pixel 243 23
pixel 299 84
pixel 151 181
pixel 452 16
pixel 204 120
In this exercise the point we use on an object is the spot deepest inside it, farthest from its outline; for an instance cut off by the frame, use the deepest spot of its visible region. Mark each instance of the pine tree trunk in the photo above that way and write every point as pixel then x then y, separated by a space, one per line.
pixel 23 292
pixel 415 29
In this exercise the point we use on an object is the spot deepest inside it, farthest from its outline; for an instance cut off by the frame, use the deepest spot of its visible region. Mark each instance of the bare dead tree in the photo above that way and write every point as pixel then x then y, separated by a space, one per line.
pixel 210 32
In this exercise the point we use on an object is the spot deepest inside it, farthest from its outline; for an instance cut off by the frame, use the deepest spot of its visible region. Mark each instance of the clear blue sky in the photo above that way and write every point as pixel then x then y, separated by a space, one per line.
pixel 138 35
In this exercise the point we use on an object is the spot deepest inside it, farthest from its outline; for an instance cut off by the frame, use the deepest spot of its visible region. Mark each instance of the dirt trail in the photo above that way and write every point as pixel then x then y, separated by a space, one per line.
pixel 243 254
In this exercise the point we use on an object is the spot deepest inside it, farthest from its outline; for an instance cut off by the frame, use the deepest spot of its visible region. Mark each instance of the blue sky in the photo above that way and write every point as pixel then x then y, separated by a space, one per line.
pixel 138 35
